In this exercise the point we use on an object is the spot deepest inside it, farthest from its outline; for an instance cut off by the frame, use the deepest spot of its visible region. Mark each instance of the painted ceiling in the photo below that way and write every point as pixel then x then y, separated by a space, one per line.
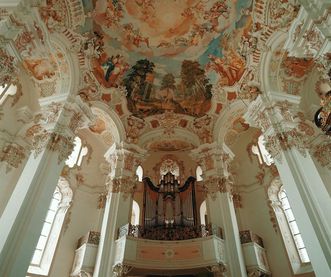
pixel 165 67
pixel 168 54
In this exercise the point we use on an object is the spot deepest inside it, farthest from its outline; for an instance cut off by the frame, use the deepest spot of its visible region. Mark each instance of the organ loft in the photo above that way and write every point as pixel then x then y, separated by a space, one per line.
pixel 146 138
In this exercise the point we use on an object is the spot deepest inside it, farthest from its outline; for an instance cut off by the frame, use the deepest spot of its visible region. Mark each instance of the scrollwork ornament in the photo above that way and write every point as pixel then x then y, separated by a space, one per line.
pixel 13 155
pixel 322 153
pixel 64 145
pixel 124 185
pixel 8 69
pixel 218 269
pixel 38 137
pixel 216 184
pixel 121 269
pixel 284 141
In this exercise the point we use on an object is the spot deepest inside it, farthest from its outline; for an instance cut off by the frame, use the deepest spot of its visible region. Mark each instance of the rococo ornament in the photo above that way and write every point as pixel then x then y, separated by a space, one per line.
pixel 323 114
pixel 121 269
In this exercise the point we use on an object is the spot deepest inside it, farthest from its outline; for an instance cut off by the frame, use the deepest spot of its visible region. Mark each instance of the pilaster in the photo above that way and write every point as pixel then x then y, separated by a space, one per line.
pixel 288 143
pixel 121 182
pixel 23 216
pixel 217 183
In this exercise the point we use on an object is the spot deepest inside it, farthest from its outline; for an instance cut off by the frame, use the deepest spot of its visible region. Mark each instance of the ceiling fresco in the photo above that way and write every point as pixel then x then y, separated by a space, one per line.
pixel 170 145
pixel 168 54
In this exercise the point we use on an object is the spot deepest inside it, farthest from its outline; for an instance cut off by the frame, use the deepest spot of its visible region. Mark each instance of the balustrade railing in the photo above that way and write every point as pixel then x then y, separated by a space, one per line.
pixel 172 232
pixel 248 236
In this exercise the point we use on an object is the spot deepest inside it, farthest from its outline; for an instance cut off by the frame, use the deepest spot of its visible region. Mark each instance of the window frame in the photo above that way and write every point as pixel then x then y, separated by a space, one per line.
pixel 5 91
pixel 298 267
pixel 78 153
pixel 43 267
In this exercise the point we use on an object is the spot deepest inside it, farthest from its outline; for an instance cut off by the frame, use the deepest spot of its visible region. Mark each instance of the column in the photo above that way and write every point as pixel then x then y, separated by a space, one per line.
pixel 287 142
pixel 124 159
pixel 214 161
pixel 13 155
pixel 22 219
pixel 321 153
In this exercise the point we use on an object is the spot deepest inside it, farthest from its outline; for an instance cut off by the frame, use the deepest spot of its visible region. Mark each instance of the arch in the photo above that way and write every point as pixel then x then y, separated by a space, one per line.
pixel 199 173
pixel 77 154
pixel 276 41
pixel 225 120
pixel 113 121
pixel 180 134
pixel 59 41
pixel 135 213
pixel 140 173
pixel 203 213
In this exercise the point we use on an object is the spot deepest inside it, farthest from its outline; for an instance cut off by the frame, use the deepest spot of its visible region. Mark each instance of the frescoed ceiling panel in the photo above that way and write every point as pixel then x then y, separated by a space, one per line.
pixel 168 54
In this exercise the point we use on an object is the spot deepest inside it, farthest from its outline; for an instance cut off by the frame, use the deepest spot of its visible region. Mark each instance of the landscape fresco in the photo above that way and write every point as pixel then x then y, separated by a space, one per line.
pixel 169 54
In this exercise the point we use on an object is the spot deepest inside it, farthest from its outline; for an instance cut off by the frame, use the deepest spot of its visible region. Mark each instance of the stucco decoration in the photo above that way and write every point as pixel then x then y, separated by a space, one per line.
pixel 173 68
pixel 322 152
pixel 8 69
pixel 121 270
pixel 170 145
pixel 13 154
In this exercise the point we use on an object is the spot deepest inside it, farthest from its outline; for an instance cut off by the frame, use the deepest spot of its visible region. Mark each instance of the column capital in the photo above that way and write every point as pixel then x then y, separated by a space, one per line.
pixel 279 118
pixel 8 73
pixel 125 185
pixel 273 110
pixel 213 158
pixel 55 126
pixel 214 184
pixel 13 150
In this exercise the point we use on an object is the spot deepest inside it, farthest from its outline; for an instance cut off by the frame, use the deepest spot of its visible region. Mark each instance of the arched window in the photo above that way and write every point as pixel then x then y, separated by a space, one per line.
pixel 288 227
pixel 5 91
pixel 203 213
pixel 135 213
pixel 293 226
pixel 261 152
pixel 198 173
pixel 140 173
pixel 45 249
pixel 77 154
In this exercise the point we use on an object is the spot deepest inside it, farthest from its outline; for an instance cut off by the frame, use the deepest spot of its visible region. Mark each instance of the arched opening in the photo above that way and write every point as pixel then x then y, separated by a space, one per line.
pixel 135 214
pixel 140 173
pixel 288 227
pixel 198 173
pixel 50 234
pixel 5 91
pixel 77 154
pixel 203 213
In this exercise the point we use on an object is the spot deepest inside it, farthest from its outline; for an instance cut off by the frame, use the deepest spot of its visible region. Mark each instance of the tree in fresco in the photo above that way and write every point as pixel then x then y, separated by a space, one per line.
pixel 168 82
pixel 194 81
pixel 138 81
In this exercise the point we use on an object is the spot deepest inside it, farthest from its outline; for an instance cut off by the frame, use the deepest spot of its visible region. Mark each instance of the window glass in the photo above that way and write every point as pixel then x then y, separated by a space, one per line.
pixel 139 173
pixel 5 91
pixel 77 154
pixel 293 227
pixel 199 173
pixel 50 233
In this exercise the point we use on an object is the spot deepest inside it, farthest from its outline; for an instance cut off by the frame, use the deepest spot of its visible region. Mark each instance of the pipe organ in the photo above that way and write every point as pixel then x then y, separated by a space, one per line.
pixel 169 205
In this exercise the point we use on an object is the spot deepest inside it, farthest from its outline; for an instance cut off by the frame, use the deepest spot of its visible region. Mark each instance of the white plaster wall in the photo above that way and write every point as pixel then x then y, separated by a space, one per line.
pixel 83 218
pixel 254 216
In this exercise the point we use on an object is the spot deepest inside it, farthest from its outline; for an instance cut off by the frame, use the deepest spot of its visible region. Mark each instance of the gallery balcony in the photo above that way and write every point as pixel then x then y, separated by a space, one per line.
pixel 171 251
